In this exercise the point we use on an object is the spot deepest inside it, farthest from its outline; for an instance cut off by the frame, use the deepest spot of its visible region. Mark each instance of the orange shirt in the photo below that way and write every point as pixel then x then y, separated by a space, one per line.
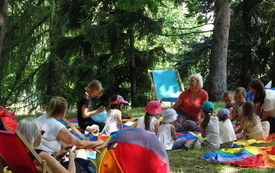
pixel 193 108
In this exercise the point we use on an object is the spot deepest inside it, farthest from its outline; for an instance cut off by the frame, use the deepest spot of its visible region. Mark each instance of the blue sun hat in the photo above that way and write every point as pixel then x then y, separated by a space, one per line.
pixel 224 113
pixel 208 107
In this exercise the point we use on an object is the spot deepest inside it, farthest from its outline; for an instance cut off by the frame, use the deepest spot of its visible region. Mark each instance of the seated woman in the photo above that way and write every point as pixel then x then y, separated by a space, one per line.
pixel 31 130
pixel 264 100
pixel 189 103
pixel 56 134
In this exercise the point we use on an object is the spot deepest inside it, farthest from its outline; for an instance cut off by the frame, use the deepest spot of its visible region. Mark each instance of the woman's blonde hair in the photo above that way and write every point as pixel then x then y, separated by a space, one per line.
pixel 198 77
pixel 57 105
pixel 30 129
pixel 94 85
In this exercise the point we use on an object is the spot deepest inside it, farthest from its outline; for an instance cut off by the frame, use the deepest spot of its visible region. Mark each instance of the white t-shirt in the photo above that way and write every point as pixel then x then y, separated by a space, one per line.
pixel 49 142
pixel 165 137
pixel 269 102
pixel 227 133
pixel 212 132
pixel 111 124
pixel 140 123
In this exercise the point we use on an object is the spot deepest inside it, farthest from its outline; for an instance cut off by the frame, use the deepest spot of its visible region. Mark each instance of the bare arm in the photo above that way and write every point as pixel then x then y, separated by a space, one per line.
pixel 87 114
pixel 240 129
pixel 119 120
pixel 265 115
pixel 173 133
pixel 258 109
pixel 201 129
pixel 62 152
pixel 156 126
pixel 65 136
pixel 177 104
pixel 56 166
pixel 233 115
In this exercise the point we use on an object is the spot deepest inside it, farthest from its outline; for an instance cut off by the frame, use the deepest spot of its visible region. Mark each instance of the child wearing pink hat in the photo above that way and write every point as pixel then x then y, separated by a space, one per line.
pixel 149 121
pixel 114 120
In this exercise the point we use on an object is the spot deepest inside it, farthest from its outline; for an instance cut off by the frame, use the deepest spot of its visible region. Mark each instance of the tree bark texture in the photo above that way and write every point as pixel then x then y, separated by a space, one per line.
pixel 133 69
pixel 3 10
pixel 54 87
pixel 219 48
pixel 246 61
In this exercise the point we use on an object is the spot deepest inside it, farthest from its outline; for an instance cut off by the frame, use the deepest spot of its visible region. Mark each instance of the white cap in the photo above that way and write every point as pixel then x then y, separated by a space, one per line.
pixel 169 115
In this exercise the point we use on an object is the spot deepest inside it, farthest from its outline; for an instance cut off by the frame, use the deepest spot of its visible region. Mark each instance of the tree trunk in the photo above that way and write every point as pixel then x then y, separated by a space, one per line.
pixel 133 70
pixel 219 47
pixel 54 85
pixel 246 61
pixel 3 10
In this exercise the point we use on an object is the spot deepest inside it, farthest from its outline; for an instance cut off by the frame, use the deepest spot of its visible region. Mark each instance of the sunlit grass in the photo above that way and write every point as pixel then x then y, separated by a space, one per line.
pixel 187 161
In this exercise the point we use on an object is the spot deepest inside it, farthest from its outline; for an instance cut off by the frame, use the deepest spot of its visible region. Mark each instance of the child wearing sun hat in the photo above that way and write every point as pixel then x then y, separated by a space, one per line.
pixel 209 126
pixel 150 121
pixel 167 133
pixel 114 114
pixel 227 133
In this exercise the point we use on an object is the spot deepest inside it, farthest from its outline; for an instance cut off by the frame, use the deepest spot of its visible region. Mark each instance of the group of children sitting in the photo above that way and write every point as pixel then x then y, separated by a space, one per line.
pixel 235 121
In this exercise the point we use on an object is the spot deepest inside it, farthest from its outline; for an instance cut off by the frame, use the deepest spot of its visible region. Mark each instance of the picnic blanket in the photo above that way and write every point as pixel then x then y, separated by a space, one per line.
pixel 244 155
pixel 189 136
pixel 250 156
pixel 127 124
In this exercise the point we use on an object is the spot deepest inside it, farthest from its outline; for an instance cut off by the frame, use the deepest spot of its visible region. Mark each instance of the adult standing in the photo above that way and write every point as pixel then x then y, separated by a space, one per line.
pixel 265 103
pixel 85 106
pixel 189 103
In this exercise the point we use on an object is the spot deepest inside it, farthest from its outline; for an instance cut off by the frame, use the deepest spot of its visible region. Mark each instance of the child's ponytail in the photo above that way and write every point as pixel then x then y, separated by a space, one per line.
pixel 147 119
pixel 206 120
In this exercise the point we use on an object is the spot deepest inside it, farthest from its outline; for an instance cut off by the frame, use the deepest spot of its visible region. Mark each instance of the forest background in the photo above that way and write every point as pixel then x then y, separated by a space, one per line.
pixel 56 47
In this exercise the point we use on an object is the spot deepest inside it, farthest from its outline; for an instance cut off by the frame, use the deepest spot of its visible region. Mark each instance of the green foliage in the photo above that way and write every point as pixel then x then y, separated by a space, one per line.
pixel 57 49
pixel 196 58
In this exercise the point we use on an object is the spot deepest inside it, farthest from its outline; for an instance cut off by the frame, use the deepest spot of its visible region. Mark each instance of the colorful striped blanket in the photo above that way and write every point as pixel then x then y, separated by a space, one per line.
pixel 250 156
pixel 245 155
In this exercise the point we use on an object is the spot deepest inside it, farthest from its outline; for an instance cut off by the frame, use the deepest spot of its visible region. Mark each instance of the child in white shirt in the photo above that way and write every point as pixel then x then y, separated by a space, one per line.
pixel 150 121
pixel 114 120
pixel 227 133
pixel 209 127
pixel 167 133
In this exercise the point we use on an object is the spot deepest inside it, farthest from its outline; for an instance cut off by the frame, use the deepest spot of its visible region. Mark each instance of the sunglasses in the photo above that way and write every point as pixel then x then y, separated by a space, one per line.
pixel 42 132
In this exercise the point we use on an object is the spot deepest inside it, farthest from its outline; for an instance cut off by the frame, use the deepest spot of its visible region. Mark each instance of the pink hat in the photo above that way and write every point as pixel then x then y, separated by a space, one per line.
pixel 118 100
pixel 153 107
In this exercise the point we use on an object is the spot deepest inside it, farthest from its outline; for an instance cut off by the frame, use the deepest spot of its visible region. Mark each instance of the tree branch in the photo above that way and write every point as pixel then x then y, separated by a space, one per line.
pixel 197 32
pixel 193 27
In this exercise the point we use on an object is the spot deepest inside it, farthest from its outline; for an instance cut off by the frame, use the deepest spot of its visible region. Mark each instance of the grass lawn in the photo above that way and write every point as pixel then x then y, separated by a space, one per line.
pixel 189 161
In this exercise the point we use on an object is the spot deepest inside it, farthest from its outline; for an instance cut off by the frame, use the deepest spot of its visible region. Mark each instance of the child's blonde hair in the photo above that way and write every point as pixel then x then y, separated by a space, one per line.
pixel 94 85
pixel 57 105
pixel 241 90
pixel 228 94
pixel 248 112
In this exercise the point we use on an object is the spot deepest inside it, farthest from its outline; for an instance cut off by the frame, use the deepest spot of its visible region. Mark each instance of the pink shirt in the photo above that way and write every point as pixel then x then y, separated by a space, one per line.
pixel 193 108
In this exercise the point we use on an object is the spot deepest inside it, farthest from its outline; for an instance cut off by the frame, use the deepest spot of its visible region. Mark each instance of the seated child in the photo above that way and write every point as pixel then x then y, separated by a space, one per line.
pixel 167 133
pixel 251 123
pixel 209 127
pixel 150 121
pixel 240 95
pixel 113 122
pixel 227 133
pixel 229 100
